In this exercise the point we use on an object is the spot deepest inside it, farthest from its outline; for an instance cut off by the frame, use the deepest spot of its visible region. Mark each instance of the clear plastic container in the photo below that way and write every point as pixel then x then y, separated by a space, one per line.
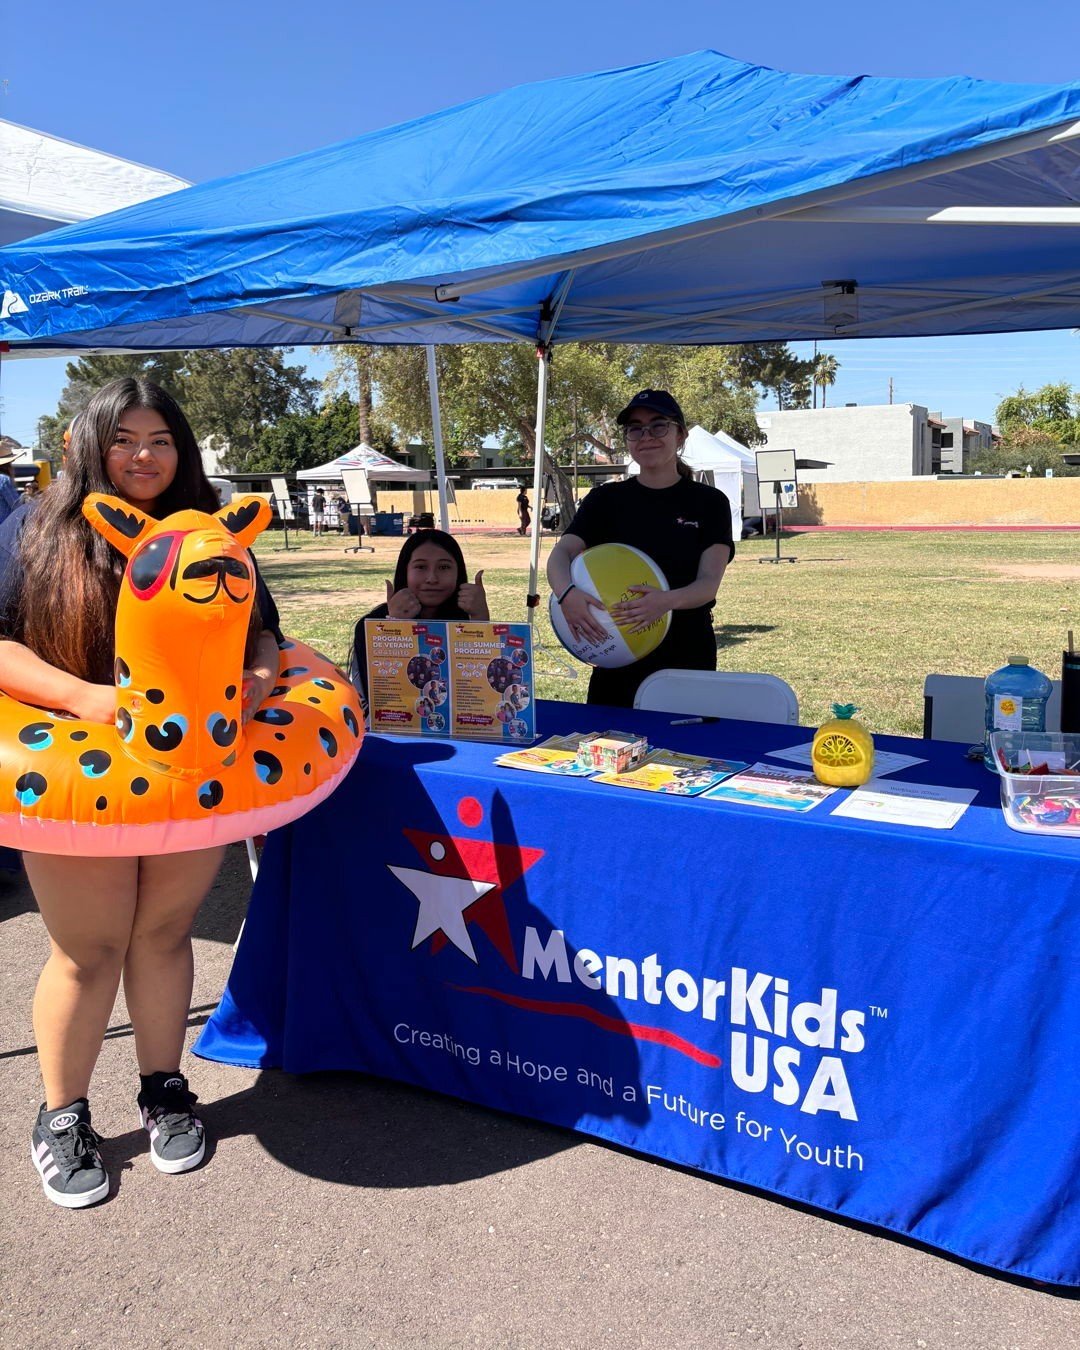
pixel 1016 698
pixel 1039 803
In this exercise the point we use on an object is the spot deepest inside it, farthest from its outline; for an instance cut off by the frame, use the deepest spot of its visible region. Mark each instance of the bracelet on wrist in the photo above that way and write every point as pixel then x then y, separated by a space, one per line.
pixel 559 599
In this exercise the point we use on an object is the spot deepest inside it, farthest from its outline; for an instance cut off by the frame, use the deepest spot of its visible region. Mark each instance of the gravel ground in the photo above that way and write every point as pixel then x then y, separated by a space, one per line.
pixel 336 1210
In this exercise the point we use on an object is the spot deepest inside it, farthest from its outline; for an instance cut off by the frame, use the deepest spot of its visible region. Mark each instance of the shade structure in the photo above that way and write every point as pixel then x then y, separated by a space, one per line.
pixel 46 181
pixel 696 200
pixel 375 464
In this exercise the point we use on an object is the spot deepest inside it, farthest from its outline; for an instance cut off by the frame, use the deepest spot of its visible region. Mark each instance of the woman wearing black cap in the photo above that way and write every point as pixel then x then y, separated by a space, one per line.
pixel 684 526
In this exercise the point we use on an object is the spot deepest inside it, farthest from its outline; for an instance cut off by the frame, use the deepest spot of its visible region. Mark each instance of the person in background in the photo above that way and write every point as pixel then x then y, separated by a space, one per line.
pixel 341 506
pixel 9 493
pixel 318 512
pixel 684 526
pixel 524 519
pixel 109 918
pixel 430 582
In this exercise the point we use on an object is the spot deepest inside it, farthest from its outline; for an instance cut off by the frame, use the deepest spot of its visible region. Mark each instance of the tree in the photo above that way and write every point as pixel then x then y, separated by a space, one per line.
pixel 352 373
pixel 1024 446
pixel 825 367
pixel 236 394
pixel 89 373
pixel 776 368
pixel 1053 410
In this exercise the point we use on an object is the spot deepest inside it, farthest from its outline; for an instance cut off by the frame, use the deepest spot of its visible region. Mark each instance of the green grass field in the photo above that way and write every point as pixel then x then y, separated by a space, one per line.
pixel 859 618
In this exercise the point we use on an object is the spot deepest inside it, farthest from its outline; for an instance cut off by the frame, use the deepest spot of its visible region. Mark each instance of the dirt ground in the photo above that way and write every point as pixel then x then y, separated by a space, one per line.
pixel 336 1210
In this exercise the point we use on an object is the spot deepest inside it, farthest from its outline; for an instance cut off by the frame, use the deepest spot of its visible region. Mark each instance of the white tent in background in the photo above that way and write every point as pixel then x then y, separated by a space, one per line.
pixel 379 467
pixel 46 181
pixel 725 460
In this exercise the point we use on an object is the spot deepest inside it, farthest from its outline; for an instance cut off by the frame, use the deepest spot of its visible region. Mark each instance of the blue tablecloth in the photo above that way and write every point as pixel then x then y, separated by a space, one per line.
pixel 880 1021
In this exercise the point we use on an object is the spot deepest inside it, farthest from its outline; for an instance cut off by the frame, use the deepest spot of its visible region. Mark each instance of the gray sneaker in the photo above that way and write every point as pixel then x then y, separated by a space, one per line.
pixel 64 1149
pixel 177 1136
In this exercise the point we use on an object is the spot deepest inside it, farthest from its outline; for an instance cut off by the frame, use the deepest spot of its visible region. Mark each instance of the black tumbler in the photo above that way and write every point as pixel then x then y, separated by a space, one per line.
pixel 1070 691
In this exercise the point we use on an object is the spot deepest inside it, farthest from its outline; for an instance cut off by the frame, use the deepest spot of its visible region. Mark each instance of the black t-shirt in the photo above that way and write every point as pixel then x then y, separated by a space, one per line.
pixel 11 578
pixel 673 526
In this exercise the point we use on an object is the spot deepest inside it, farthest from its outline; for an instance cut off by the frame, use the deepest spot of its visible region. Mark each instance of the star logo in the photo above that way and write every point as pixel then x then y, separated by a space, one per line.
pixel 443 902
pixel 462 887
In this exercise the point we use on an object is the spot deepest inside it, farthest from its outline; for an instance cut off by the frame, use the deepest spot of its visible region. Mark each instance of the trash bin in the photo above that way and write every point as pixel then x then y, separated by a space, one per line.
pixel 389 522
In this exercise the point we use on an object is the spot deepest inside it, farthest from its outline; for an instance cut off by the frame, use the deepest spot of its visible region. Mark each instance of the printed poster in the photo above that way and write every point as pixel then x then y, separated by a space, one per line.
pixel 491 681
pixel 408 689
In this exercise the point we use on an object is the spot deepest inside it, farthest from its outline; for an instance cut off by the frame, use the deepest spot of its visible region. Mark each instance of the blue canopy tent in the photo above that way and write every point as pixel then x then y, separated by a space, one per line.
pixel 694 200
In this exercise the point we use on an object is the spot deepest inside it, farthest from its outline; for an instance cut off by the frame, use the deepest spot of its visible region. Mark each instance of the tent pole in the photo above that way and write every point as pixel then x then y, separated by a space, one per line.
pixel 436 429
pixel 543 356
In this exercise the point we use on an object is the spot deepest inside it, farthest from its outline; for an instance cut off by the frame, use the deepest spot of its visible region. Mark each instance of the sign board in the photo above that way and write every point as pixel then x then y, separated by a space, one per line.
pixel 777 467
pixel 282 500
pixel 445 677
pixel 358 490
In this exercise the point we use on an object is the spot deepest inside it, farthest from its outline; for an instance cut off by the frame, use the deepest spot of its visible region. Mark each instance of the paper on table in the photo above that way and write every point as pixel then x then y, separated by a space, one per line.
pixel 935 808
pixel 885 761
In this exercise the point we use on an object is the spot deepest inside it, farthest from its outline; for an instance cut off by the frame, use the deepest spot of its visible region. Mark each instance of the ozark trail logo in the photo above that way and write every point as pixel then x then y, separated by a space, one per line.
pixel 13 303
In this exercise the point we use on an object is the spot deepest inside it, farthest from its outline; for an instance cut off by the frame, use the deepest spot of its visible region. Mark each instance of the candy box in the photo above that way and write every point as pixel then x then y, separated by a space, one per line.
pixel 1040 780
pixel 612 751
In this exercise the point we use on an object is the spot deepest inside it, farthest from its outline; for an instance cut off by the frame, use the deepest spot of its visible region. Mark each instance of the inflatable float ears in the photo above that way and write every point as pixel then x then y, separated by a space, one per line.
pixel 126 526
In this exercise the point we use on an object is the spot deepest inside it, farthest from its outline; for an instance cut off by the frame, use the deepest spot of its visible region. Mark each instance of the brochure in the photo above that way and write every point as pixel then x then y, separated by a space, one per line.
pixel 767 785
pixel 558 754
pixel 437 677
pixel 407 676
pixel 674 773
pixel 936 808
pixel 491 681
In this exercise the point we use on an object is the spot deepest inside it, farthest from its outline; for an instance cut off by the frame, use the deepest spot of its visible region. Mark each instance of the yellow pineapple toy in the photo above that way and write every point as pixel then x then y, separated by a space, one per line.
pixel 843 749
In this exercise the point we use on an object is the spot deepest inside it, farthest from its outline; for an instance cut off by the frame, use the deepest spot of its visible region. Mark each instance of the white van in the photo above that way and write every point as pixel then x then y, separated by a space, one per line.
pixel 224 490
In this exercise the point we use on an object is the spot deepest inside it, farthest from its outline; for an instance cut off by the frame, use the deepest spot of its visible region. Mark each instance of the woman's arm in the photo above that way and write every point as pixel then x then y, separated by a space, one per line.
pixel 31 680
pixel 261 676
pixel 650 604
pixel 576 605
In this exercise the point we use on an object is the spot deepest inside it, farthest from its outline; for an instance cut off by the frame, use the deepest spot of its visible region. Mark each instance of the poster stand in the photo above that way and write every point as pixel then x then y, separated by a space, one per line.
pixel 358 495
pixel 283 502
pixel 776 476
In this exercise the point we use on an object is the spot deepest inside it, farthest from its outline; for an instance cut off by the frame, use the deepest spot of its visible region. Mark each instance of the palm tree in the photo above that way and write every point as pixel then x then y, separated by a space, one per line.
pixel 825 368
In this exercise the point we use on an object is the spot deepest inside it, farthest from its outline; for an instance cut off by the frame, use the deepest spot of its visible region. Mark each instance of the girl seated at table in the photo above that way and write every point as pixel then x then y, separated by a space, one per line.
pixel 430 582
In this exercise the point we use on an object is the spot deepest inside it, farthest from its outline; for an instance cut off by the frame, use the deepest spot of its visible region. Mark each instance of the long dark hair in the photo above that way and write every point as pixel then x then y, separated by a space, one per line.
pixel 449 608
pixel 71 576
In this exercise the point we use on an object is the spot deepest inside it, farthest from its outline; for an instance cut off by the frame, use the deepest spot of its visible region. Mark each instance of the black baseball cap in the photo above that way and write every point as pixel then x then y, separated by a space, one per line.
pixel 657 401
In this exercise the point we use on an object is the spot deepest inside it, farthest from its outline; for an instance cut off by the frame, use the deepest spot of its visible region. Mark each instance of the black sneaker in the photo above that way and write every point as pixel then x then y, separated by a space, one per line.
pixel 177 1137
pixel 64 1149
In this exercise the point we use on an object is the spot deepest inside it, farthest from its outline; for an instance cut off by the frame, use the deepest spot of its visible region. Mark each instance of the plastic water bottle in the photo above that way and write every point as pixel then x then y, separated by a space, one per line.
pixel 1016 697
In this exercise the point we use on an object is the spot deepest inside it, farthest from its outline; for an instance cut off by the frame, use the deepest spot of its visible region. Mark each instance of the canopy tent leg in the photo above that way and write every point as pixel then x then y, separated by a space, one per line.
pixel 436 431
pixel 543 356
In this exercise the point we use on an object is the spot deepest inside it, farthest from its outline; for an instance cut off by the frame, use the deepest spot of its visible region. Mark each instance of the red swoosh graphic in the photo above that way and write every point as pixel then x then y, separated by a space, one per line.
pixel 636 1030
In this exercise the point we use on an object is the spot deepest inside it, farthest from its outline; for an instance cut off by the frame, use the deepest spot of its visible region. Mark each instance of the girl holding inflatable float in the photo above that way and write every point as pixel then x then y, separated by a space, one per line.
pixel 684 526
pixel 108 917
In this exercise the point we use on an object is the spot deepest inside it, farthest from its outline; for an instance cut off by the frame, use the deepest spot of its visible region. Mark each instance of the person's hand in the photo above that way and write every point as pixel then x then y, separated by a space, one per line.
pixel 95 702
pixel 641 612
pixel 578 611
pixel 255 688
pixel 473 598
pixel 401 604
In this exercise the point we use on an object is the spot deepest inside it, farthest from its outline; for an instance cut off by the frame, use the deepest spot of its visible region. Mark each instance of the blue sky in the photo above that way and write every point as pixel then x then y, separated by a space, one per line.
pixel 212 89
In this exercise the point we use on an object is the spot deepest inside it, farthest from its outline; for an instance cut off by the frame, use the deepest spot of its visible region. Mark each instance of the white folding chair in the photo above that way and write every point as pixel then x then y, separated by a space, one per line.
pixel 719 693
pixel 954 708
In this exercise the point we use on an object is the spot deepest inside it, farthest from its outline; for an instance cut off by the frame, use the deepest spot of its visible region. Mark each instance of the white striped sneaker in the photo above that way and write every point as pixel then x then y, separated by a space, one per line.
pixel 177 1136
pixel 64 1149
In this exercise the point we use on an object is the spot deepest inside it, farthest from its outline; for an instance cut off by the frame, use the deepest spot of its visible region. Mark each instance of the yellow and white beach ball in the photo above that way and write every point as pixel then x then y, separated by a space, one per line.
pixel 608 571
